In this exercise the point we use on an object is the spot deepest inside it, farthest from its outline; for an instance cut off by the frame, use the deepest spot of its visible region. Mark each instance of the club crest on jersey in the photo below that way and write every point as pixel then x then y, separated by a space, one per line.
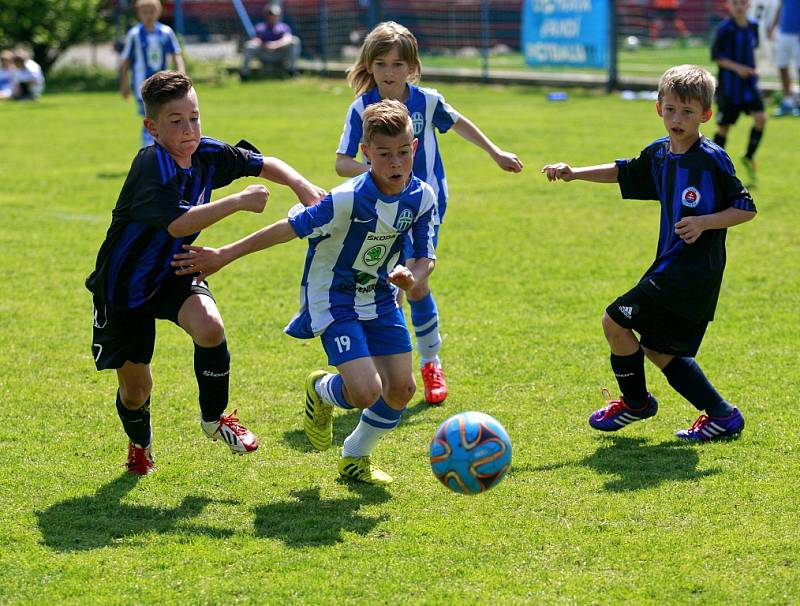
pixel 417 121
pixel 690 197
pixel 404 220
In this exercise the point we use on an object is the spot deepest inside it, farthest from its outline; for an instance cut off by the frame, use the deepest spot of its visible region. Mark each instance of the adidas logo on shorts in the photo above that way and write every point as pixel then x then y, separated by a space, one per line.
pixel 626 311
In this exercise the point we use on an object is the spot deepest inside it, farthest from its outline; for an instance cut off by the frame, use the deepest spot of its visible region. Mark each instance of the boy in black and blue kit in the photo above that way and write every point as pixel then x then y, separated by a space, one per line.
pixel 733 50
pixel 672 304
pixel 164 204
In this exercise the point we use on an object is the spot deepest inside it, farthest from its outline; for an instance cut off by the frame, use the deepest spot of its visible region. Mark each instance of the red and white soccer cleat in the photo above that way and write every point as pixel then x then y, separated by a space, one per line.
pixel 228 429
pixel 434 382
pixel 140 460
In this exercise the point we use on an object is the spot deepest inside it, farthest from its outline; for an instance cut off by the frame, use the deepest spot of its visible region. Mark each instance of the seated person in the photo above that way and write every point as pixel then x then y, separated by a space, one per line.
pixel 28 80
pixel 273 43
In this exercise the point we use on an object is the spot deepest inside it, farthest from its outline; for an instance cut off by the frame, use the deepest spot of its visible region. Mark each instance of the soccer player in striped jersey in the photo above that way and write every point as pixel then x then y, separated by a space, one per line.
pixel 149 47
pixel 349 286
pixel 674 301
pixel 733 50
pixel 387 67
pixel 164 203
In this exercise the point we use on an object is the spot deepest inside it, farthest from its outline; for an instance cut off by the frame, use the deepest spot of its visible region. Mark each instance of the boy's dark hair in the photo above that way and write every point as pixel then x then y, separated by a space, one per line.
pixel 163 87
pixel 688 83
pixel 388 117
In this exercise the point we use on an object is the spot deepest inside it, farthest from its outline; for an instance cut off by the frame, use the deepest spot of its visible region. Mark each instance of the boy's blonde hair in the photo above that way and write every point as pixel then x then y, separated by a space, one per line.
pixel 388 117
pixel 155 3
pixel 379 42
pixel 688 83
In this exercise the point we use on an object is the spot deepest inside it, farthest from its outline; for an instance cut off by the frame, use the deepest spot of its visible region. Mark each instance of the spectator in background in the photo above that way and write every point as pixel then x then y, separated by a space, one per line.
pixel 787 50
pixel 666 12
pixel 6 74
pixel 273 43
pixel 149 45
pixel 27 80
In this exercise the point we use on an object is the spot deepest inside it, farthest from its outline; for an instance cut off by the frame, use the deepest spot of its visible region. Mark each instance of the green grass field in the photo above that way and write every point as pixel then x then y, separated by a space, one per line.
pixel 526 269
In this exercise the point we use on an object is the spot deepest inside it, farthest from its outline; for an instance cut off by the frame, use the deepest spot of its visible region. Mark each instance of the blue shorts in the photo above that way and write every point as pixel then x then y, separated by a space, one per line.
pixel 408 244
pixel 347 340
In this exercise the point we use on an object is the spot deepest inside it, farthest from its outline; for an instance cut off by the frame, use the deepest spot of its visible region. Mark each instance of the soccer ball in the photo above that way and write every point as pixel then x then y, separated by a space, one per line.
pixel 470 452
pixel 632 43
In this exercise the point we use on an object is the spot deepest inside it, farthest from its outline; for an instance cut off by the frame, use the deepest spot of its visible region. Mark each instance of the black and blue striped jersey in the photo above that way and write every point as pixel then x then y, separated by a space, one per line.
pixel 135 257
pixel 685 278
pixel 736 43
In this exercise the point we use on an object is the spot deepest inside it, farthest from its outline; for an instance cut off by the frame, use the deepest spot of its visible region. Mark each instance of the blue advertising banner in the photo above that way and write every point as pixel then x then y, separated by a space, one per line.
pixel 566 32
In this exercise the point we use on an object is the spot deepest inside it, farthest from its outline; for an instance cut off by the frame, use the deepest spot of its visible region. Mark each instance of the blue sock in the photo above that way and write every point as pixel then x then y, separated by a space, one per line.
pixel 687 378
pixel 629 372
pixel 425 319
pixel 136 423
pixel 376 421
pixel 331 389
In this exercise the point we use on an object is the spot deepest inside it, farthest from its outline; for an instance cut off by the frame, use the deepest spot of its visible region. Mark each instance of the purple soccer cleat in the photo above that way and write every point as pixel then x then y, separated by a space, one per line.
pixel 618 414
pixel 713 428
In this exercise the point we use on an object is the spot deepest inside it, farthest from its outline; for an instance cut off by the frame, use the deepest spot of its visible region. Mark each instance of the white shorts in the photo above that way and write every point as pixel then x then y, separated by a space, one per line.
pixel 787 50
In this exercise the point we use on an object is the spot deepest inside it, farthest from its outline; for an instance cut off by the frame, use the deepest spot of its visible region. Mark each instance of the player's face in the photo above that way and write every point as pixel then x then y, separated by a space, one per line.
pixel 682 119
pixel 177 128
pixel 391 74
pixel 738 8
pixel 391 159
pixel 148 14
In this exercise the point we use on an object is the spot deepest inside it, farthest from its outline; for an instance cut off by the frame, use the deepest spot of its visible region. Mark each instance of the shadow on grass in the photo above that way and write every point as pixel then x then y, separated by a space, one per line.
pixel 344 422
pixel 102 519
pixel 637 465
pixel 112 175
pixel 309 521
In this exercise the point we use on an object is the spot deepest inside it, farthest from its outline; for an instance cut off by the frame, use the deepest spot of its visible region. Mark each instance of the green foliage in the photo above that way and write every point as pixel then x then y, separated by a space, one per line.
pixel 525 270
pixel 50 27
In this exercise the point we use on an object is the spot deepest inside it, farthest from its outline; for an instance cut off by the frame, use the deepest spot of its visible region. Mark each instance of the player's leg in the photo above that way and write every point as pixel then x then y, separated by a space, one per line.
pixel 756 132
pixel 123 340
pixel 628 313
pixel 783 56
pixel 251 49
pixel 721 136
pixel 198 315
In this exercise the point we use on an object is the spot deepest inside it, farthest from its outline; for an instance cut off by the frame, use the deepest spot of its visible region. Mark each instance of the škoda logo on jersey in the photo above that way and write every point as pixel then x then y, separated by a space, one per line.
pixel 690 197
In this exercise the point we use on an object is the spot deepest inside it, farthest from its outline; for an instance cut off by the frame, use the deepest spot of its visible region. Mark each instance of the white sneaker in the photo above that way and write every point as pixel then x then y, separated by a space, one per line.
pixel 238 438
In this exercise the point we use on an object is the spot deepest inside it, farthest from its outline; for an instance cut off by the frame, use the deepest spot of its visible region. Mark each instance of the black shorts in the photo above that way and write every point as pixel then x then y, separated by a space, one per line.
pixel 659 329
pixel 122 335
pixel 728 113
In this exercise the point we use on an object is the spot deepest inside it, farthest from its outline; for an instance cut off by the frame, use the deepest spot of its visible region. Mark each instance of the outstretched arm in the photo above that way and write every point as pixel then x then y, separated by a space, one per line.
pixel 280 172
pixel 347 166
pixel 252 198
pixel 691 228
pixel 202 261
pixel 505 160
pixel 601 173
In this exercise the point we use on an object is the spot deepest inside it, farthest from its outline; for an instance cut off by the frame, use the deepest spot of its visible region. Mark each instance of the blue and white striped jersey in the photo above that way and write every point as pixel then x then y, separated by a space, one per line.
pixel 685 278
pixel 148 52
pixel 429 112
pixel 355 236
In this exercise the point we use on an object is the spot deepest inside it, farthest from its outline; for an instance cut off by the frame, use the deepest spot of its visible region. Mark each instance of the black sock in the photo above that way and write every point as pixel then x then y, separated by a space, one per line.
pixel 136 423
pixel 720 139
pixel 629 371
pixel 687 378
pixel 752 144
pixel 212 369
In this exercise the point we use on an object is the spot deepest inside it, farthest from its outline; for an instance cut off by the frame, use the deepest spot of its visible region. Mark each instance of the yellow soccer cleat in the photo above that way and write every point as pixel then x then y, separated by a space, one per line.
pixel 318 415
pixel 362 469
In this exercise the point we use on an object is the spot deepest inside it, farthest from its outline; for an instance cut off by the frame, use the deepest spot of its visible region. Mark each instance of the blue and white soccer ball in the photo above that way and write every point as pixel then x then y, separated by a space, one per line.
pixel 470 452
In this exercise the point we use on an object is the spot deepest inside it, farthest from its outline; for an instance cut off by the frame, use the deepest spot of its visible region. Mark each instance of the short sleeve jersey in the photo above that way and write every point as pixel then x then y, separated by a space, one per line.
pixel 429 112
pixel 355 236
pixel 134 260
pixel 738 44
pixel 685 278
pixel 148 52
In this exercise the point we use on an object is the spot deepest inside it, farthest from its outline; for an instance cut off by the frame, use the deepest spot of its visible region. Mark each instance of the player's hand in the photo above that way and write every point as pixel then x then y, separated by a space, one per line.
pixel 557 171
pixel 508 162
pixel 746 71
pixel 308 193
pixel 690 228
pixel 401 277
pixel 254 198
pixel 198 261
